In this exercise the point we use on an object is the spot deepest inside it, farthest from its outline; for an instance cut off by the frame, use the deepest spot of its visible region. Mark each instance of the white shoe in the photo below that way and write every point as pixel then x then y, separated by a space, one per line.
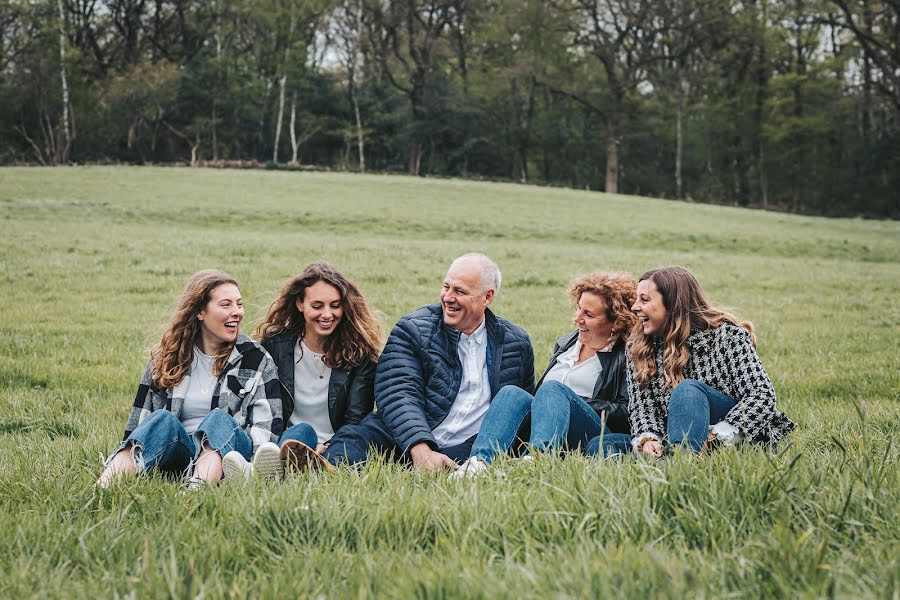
pixel 236 467
pixel 267 462
pixel 473 467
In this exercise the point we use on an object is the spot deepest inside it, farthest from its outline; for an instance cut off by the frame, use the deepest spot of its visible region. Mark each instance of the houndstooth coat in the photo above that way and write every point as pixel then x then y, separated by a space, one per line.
pixel 723 358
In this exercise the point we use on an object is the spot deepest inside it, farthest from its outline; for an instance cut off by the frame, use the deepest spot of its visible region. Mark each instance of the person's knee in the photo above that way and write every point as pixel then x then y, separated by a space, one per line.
pixel 218 417
pixel 689 391
pixel 513 397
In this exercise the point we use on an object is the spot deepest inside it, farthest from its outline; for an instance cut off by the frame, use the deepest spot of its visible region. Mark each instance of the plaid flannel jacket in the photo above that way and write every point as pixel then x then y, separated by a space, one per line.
pixel 723 358
pixel 248 388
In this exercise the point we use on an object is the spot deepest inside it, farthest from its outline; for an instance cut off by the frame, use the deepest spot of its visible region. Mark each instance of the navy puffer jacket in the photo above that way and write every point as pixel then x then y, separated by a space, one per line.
pixel 419 372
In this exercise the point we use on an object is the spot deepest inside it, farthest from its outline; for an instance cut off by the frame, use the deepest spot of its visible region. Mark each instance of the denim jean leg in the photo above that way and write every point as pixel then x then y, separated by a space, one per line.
pixel 693 407
pixel 160 443
pixel 351 444
pixel 459 452
pixel 221 432
pixel 502 421
pixel 560 418
pixel 303 433
pixel 612 444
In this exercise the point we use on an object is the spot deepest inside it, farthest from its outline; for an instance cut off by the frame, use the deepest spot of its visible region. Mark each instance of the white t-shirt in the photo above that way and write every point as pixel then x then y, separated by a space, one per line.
pixel 198 397
pixel 311 377
pixel 580 378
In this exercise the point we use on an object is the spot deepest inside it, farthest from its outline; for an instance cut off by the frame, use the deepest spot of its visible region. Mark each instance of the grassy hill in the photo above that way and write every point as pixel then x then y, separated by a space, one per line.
pixel 94 257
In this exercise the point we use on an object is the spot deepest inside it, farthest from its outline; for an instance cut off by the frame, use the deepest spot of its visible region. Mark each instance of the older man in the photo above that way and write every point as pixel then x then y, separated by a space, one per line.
pixel 440 369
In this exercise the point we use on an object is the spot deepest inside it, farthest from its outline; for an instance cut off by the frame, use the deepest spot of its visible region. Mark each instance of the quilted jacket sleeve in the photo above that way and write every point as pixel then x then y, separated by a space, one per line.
pixel 753 390
pixel 400 387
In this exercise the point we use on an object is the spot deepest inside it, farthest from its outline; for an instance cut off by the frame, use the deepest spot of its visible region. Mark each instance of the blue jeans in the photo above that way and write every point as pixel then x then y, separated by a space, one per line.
pixel 161 443
pixel 351 444
pixel 559 419
pixel 693 407
pixel 303 433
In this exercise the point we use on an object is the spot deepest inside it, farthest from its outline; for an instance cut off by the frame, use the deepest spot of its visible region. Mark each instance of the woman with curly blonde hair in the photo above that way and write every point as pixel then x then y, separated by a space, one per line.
pixel 694 378
pixel 325 340
pixel 208 390
pixel 582 392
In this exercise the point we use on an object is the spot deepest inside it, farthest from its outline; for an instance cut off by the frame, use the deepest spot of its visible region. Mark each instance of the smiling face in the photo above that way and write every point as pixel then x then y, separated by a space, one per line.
pixel 221 319
pixel 462 300
pixel 322 310
pixel 594 328
pixel 649 308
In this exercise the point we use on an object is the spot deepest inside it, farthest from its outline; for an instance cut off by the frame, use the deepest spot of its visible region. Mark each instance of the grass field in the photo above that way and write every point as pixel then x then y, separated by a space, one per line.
pixel 92 259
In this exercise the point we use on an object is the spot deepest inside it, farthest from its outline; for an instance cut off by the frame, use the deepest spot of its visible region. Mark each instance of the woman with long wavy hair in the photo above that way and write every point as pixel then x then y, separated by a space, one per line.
pixel 325 340
pixel 207 390
pixel 694 377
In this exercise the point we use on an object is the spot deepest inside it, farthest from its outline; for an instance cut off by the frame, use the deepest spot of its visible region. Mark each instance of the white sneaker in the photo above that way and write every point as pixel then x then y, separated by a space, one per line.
pixel 473 467
pixel 236 467
pixel 267 462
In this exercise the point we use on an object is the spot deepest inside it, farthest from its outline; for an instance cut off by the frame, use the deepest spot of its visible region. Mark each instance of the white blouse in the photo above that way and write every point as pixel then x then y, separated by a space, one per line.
pixel 580 378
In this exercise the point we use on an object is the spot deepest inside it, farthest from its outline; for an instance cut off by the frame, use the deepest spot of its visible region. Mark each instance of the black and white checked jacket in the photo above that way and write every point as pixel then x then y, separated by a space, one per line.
pixel 723 358
pixel 248 388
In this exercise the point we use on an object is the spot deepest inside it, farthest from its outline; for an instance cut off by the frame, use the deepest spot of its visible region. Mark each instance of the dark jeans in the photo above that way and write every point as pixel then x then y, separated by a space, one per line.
pixel 351 444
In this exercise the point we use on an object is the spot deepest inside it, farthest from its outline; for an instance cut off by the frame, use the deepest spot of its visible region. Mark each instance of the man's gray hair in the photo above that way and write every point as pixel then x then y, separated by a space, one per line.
pixel 490 272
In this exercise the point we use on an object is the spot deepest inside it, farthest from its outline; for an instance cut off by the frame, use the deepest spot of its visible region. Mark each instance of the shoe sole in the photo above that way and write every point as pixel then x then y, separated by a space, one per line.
pixel 298 457
pixel 267 463
pixel 232 470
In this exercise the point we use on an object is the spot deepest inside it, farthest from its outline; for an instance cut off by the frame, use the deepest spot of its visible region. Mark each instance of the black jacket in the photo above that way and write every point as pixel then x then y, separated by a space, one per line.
pixel 611 390
pixel 351 394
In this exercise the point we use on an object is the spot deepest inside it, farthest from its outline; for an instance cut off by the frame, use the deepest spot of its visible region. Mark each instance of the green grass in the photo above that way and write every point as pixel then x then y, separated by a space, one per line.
pixel 92 259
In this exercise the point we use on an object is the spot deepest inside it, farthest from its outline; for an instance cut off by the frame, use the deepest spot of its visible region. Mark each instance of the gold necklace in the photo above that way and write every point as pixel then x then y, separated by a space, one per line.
pixel 320 357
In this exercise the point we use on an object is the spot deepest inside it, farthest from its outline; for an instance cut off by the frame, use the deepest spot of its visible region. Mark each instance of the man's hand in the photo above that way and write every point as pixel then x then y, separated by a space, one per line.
pixel 652 448
pixel 426 459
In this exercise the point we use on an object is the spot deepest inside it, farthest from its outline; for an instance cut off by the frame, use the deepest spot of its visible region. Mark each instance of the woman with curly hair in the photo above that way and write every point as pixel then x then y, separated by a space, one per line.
pixel 582 392
pixel 325 340
pixel 208 390
pixel 694 378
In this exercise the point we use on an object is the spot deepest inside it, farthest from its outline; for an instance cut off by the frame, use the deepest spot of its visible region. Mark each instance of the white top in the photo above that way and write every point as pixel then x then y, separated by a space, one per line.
pixel 580 378
pixel 311 377
pixel 200 387
pixel 474 396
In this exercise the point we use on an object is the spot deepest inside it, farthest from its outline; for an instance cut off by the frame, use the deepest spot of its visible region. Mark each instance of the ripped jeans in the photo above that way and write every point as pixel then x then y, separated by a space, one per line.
pixel 161 443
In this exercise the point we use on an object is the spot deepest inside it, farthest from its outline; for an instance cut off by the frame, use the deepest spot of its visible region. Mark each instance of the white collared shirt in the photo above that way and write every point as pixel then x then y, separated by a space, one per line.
pixel 474 396
pixel 580 378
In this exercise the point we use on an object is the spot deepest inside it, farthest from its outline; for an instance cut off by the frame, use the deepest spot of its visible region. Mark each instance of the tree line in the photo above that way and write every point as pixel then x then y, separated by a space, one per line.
pixel 791 104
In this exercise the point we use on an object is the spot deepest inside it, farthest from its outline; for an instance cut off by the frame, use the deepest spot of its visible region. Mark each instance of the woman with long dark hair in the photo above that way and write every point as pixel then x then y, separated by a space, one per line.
pixel 325 340
pixel 694 378
pixel 207 390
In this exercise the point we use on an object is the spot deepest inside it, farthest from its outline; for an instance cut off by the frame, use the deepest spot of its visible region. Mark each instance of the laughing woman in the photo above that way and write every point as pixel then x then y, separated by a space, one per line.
pixel 694 378
pixel 325 340
pixel 207 390
pixel 583 390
